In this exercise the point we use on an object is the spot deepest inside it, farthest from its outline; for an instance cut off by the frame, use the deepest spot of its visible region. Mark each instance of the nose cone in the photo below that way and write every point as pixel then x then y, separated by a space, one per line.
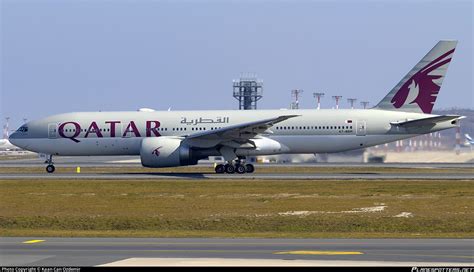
pixel 12 136
pixel 15 139
pixel 19 137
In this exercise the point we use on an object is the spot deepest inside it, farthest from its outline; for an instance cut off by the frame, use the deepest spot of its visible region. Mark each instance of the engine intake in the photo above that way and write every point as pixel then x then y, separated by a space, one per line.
pixel 165 152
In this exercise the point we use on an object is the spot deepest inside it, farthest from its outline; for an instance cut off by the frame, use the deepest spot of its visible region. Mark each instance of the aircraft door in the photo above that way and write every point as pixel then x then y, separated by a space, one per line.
pixel 52 131
pixel 361 128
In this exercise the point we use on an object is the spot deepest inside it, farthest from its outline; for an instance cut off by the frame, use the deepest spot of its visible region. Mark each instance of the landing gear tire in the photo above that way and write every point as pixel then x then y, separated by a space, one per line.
pixel 249 168
pixel 50 168
pixel 229 169
pixel 241 169
pixel 220 169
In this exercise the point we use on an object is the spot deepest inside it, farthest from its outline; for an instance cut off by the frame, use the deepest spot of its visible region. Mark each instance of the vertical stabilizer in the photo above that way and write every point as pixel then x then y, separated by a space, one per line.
pixel 417 91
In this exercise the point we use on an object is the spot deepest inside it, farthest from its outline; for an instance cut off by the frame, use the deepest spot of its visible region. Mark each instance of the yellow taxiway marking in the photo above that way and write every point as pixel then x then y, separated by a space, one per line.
pixel 33 241
pixel 320 252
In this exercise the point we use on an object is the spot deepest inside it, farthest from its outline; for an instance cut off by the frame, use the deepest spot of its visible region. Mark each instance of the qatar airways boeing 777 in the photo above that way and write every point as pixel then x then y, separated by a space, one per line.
pixel 176 138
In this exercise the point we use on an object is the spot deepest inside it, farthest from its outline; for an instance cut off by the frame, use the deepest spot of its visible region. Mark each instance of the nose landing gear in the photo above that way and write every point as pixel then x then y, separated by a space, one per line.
pixel 50 168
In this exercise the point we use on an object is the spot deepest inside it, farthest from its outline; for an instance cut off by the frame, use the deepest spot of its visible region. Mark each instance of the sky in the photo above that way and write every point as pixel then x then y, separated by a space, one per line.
pixel 96 55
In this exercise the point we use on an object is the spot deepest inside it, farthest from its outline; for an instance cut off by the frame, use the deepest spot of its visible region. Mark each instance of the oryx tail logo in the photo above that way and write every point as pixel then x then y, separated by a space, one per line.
pixel 422 88
pixel 156 151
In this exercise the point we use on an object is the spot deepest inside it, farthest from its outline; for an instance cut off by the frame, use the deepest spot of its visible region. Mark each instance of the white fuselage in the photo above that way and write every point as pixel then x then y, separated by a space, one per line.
pixel 121 133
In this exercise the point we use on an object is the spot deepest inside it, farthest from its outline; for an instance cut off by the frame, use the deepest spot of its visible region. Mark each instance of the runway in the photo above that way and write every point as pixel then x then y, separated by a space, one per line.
pixel 122 163
pixel 313 252
pixel 121 175
pixel 134 161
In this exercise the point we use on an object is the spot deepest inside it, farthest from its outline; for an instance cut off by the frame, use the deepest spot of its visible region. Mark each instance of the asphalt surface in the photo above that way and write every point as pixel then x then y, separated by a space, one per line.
pixel 134 161
pixel 124 162
pixel 100 251
pixel 280 176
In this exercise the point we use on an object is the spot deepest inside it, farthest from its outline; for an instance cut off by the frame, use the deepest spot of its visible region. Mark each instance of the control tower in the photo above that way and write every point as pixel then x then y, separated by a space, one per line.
pixel 248 90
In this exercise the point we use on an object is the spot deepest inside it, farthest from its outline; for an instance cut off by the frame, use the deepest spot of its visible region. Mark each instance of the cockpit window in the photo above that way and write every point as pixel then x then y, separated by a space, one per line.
pixel 23 129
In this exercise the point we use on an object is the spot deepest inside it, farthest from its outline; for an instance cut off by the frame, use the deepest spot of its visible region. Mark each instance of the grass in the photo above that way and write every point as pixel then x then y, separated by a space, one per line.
pixel 237 208
pixel 17 157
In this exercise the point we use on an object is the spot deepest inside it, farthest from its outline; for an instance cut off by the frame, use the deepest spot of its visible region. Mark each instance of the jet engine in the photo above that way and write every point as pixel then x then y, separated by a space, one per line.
pixel 165 152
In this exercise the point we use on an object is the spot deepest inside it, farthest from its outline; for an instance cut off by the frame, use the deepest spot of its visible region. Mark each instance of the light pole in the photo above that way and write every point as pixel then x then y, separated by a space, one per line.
pixel 318 96
pixel 337 98
pixel 296 93
pixel 364 104
pixel 352 101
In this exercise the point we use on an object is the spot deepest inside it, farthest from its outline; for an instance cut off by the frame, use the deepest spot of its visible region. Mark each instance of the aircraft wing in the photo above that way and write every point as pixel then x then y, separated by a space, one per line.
pixel 430 121
pixel 469 139
pixel 238 133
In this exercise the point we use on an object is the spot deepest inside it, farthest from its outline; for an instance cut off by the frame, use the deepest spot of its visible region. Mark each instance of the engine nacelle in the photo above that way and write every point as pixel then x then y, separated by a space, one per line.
pixel 165 152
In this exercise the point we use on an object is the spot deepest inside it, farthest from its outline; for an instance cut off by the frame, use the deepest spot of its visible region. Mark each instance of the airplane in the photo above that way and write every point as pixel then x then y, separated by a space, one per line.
pixel 178 138
pixel 469 139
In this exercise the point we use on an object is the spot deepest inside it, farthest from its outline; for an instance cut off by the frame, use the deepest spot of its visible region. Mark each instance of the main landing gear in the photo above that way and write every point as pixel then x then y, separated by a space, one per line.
pixel 50 168
pixel 234 163
pixel 231 168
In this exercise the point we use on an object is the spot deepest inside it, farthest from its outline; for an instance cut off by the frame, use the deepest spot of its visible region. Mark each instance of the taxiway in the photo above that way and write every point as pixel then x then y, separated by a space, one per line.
pixel 48 251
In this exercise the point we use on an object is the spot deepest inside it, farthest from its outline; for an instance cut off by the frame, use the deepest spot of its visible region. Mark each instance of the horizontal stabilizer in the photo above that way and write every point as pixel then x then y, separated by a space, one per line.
pixel 427 121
